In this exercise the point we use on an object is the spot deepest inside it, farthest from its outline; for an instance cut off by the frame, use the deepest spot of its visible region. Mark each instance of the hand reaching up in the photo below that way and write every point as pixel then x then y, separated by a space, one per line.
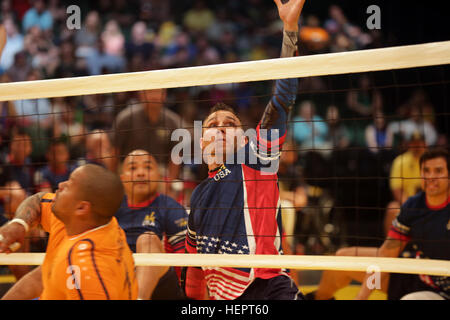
pixel 290 13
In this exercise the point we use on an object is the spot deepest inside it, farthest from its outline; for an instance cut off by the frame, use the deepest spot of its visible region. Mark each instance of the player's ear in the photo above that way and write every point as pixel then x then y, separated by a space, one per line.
pixel 201 143
pixel 83 208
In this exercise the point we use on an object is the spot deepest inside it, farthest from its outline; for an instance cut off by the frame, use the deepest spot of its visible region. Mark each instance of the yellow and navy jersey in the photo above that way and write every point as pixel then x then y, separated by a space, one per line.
pixel 94 265
pixel 427 230
pixel 161 215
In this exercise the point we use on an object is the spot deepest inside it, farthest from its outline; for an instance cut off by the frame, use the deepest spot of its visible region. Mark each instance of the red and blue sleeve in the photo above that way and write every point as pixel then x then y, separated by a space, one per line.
pixel 271 131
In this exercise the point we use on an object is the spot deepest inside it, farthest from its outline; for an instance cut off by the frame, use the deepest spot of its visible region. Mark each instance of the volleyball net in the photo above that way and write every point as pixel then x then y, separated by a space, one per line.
pixel 335 170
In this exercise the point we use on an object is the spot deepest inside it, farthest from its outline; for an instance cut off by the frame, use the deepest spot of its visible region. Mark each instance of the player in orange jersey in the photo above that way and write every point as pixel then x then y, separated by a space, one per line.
pixel 87 255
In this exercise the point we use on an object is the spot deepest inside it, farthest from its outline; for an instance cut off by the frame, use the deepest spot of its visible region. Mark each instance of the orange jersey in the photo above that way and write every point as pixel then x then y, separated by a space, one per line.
pixel 94 265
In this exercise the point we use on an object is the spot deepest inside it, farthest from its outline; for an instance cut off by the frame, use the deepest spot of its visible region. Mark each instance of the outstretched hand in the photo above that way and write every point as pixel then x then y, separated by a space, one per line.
pixel 290 13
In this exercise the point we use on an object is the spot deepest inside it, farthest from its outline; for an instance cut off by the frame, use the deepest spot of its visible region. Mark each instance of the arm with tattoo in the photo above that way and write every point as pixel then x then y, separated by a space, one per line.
pixel 30 212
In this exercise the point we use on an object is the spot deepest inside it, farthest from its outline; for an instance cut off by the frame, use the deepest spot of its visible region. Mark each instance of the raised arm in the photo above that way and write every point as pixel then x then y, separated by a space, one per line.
pixel 277 110
pixel 27 216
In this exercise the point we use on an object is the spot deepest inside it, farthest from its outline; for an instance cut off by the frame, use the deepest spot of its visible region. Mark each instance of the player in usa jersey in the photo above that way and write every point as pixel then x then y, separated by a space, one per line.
pixel 237 209
pixel 153 223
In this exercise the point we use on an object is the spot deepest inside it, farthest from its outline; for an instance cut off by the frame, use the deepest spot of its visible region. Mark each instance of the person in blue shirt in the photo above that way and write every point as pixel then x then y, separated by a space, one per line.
pixel 309 129
pixel 153 223
pixel 39 16
pixel 57 170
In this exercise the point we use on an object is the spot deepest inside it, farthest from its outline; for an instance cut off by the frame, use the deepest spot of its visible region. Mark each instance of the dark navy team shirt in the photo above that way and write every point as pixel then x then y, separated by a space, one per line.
pixel 46 176
pixel 427 228
pixel 161 215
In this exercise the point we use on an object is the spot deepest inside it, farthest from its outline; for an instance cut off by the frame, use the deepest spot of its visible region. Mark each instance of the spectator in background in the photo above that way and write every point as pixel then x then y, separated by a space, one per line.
pixel 313 35
pixel 179 52
pixel 345 35
pixel 41 50
pixel 221 25
pixel 113 39
pixel 20 68
pixel 206 53
pixel 100 62
pixel 339 136
pixel 362 102
pixel 69 65
pixel 405 177
pixel 99 150
pixel 309 129
pixel 18 161
pixel 200 18
pixel 58 11
pixel 376 132
pixel 7 115
pixel 415 123
pixel 11 196
pixel 87 37
pixel 124 12
pixel 37 116
pixel 14 43
pixel 57 170
pixel 365 100
pixel 98 111
pixel 8 12
pixel 293 193
pixel 135 124
pixel 139 43
pixel 69 126
pixel 39 16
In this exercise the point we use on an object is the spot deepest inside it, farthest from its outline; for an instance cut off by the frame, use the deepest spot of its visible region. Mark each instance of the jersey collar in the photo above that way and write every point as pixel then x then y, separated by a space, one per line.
pixel 143 204
pixel 213 172
pixel 438 207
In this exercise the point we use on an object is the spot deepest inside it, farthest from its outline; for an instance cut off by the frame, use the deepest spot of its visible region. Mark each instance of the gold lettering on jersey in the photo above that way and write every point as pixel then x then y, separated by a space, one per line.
pixel 223 172
pixel 149 220
pixel 181 222
pixel 448 225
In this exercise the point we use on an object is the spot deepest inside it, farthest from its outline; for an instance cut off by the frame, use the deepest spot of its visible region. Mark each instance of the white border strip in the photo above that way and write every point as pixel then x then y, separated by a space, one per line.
pixel 420 55
pixel 303 262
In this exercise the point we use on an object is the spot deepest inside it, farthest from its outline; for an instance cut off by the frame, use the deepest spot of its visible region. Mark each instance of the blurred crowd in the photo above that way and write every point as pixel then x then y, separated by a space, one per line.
pixel 353 134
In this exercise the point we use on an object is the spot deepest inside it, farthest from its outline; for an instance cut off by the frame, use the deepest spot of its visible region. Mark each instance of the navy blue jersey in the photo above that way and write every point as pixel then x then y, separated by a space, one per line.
pixel 237 209
pixel 45 177
pixel 23 174
pixel 427 229
pixel 161 215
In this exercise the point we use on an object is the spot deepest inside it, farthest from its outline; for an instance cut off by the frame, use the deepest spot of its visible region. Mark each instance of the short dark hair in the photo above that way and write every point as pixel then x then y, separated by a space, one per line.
pixel 434 153
pixel 220 106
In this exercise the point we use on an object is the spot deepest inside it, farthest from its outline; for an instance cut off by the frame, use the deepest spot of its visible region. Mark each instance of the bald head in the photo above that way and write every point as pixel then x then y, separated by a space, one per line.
pixel 102 188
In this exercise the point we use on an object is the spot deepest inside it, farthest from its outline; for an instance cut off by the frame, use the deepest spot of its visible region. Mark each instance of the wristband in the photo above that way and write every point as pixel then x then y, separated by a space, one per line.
pixel 22 222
